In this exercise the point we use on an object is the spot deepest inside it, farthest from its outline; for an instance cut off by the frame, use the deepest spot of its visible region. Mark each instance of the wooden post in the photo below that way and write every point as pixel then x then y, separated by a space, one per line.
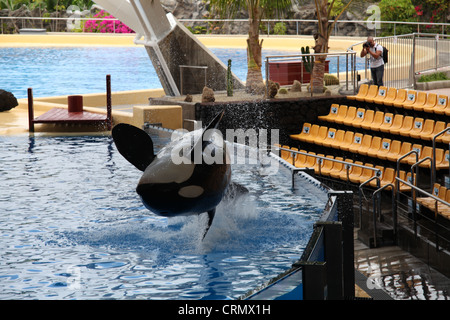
pixel 30 110
pixel 108 101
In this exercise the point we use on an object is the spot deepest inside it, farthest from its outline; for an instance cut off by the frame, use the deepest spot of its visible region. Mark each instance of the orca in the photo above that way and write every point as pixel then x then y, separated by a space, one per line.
pixel 180 179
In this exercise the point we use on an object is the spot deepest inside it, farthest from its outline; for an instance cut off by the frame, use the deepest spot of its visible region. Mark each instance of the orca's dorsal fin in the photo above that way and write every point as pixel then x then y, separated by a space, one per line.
pixel 133 144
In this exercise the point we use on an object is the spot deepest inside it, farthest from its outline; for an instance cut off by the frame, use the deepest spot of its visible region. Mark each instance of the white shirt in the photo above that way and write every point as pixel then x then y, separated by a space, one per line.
pixel 375 63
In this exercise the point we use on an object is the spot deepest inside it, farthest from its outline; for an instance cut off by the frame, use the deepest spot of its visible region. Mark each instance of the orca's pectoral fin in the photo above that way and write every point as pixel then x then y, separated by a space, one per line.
pixel 134 144
pixel 211 214
pixel 234 191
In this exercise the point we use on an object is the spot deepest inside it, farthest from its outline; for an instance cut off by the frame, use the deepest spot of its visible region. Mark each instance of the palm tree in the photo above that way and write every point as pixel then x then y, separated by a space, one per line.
pixel 257 10
pixel 324 12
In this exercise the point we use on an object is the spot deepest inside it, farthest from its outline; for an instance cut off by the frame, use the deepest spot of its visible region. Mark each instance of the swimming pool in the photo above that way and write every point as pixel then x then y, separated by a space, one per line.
pixel 72 227
pixel 64 71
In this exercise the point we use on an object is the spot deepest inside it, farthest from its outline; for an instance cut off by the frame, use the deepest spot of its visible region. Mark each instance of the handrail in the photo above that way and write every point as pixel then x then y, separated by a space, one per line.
pixel 378 208
pixel 360 193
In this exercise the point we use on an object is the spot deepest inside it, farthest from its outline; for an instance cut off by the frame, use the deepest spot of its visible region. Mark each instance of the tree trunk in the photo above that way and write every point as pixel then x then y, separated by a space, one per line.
pixel 321 46
pixel 254 83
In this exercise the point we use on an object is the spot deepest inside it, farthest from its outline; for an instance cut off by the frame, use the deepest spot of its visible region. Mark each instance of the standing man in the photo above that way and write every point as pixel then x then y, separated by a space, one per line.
pixel 376 60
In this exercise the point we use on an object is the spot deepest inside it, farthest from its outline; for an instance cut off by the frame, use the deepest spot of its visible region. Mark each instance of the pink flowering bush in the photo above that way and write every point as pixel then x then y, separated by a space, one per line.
pixel 106 26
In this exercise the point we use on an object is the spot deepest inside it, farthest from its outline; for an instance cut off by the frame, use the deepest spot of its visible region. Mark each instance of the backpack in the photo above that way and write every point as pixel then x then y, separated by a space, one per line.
pixel 385 54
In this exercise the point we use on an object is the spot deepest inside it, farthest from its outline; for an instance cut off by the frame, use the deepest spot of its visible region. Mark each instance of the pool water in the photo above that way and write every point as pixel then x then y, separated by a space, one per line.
pixel 73 227
pixel 64 71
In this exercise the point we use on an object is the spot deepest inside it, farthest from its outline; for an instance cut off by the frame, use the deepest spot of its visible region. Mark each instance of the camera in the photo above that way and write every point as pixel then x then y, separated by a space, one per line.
pixel 366 45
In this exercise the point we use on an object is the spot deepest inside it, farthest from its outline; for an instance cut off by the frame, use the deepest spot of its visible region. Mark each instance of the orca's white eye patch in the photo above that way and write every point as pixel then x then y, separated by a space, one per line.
pixel 191 191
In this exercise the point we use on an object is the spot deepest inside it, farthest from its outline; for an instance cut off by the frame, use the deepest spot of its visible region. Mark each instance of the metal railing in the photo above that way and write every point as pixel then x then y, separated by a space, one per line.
pixel 297 61
pixel 409 55
pixel 225 26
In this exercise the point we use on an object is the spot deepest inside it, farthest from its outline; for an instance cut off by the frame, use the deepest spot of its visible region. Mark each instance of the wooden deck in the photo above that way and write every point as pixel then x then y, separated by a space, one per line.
pixel 73 116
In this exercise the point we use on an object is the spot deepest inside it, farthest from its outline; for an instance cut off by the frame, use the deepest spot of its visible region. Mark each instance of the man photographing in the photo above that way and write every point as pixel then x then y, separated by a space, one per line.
pixel 376 60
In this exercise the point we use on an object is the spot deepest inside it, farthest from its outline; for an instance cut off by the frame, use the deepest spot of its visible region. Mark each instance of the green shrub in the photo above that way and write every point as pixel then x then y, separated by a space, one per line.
pixel 439 76
pixel 330 80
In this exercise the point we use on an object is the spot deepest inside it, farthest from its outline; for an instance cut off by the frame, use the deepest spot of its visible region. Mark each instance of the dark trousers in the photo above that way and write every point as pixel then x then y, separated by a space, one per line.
pixel 377 75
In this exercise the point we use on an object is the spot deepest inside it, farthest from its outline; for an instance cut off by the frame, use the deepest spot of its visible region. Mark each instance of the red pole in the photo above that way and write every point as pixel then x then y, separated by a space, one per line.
pixel 30 110
pixel 108 101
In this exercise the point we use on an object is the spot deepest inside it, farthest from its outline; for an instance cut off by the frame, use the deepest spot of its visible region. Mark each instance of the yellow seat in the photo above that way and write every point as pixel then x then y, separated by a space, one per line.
pixel 365 144
pixel 310 160
pixel 359 118
pixel 412 158
pixel 405 177
pixel 438 127
pixel 330 138
pixel 300 159
pixel 385 149
pixel 350 117
pixel 366 173
pixel 437 191
pixel 415 130
pixel 363 89
pixel 420 102
pixel 374 147
pixel 355 172
pixel 390 97
pixel 442 159
pixel 311 134
pixel 381 94
pixel 379 174
pixel 286 155
pixel 404 149
pixel 339 139
pixel 428 130
pixel 388 177
pixel 368 118
pixel 399 99
pixel 394 151
pixel 430 104
pixel 306 130
pixel 318 164
pixel 387 122
pixel 342 112
pixel 407 124
pixel 321 136
pixel 348 140
pixel 396 124
pixel 410 99
pixel 441 105
pixel 337 167
pixel 327 166
pixel 445 137
pixel 331 115
pixel 346 170
pixel 371 93
pixel 377 122
pixel 426 152
pixel 356 144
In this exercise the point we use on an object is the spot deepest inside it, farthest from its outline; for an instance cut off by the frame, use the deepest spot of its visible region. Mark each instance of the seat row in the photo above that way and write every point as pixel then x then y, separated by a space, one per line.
pixel 402 98
pixel 441 192
pixel 398 124
pixel 372 146
pixel 344 170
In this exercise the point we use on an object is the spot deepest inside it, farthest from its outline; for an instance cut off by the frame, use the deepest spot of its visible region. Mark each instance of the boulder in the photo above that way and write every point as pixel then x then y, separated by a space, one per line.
pixel 208 95
pixel 7 101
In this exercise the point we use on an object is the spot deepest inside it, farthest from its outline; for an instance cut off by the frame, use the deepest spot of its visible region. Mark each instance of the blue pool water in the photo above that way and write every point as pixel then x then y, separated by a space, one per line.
pixel 72 227
pixel 65 71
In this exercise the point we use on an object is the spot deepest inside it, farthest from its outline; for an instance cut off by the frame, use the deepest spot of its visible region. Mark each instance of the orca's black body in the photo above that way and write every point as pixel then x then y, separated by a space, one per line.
pixel 180 179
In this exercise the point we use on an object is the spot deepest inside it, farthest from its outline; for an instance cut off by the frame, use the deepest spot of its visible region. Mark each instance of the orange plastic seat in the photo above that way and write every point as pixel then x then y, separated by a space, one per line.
pixel 405 177
pixel 387 122
pixel 327 166
pixel 371 93
pixel 430 104
pixel 401 97
pixel 394 151
pixel 359 118
pixel 381 94
pixel 310 160
pixel 390 97
pixel 321 136
pixel 397 123
pixel 378 120
pixel 318 164
pixel 330 138
pixel 368 118
pixel 331 115
pixel 445 137
pixel 441 105
pixel 350 117
pixel 379 174
pixel 412 158
pixel 374 147
pixel 356 144
pixel 342 113
pixel 300 159
pixel 442 161
pixel 356 172
pixel 388 177
pixel 310 134
pixel 384 149
pixel 421 98
pixel 367 173
pixel 407 125
pixel 415 130
pixel 426 152
pixel 427 131
pixel 348 140
pixel 365 144
pixel 346 170
pixel 363 89
pixel 337 167
pixel 410 99
pixel 286 155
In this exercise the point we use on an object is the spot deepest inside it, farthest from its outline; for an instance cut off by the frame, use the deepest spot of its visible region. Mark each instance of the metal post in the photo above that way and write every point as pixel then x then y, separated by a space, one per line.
pixel 314 280
pixel 30 110
pixel 108 101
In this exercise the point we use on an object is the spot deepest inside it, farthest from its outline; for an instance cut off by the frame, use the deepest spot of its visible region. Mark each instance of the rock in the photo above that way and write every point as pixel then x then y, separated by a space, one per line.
pixel 208 95
pixel 296 86
pixel 188 98
pixel 7 101
pixel 272 89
